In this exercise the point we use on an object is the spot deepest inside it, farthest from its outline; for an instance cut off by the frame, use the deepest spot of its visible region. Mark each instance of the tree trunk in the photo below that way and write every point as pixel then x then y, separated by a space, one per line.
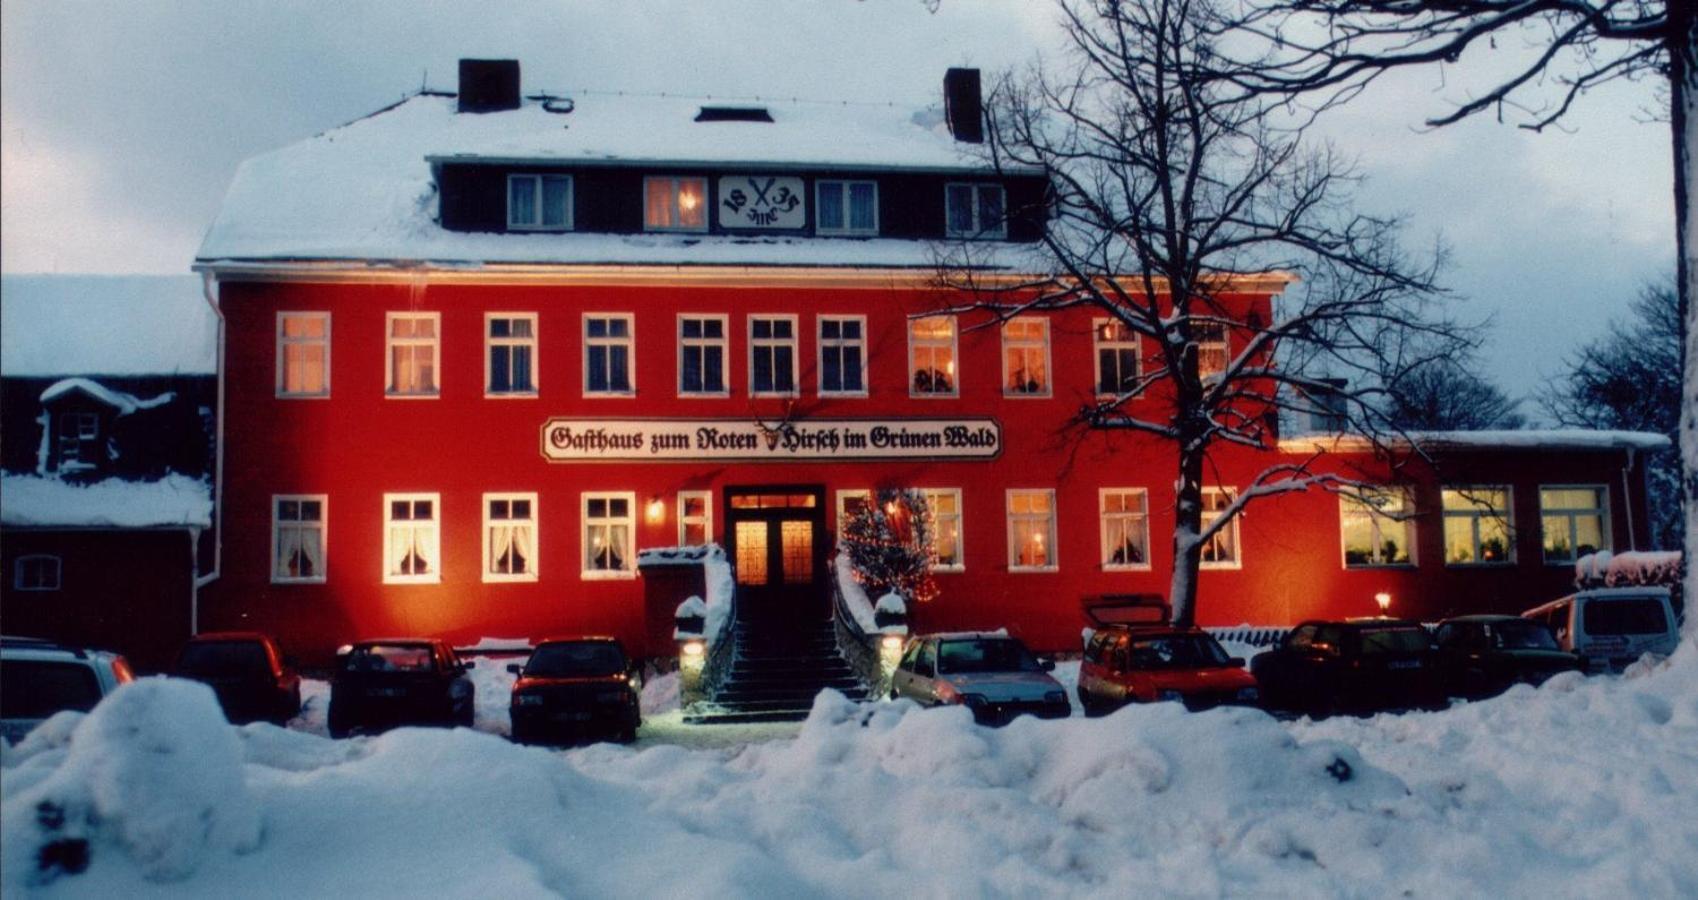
pixel 1187 549
pixel 1683 82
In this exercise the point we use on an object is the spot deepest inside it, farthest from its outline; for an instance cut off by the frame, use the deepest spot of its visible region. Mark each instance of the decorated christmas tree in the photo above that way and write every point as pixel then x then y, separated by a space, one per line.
pixel 890 545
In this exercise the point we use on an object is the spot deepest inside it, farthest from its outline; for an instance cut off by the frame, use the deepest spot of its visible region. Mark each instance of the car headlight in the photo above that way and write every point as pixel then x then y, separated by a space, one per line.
pixel 1170 695
pixel 974 699
pixel 1055 697
pixel 1249 695
pixel 527 700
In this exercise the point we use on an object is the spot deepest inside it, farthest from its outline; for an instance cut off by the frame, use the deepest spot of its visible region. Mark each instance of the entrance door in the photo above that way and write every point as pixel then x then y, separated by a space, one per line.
pixel 777 541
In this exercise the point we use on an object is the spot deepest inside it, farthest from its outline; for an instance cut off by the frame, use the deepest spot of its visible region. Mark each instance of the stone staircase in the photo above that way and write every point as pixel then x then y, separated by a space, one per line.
pixel 777 668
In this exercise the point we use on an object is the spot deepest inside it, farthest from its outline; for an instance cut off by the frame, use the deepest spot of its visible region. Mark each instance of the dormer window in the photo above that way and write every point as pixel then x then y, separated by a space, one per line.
pixel 974 211
pixel 79 440
pixel 675 204
pixel 539 202
pixel 846 207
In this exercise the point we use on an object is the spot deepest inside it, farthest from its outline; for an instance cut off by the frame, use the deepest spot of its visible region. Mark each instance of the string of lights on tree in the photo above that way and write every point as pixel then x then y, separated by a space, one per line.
pixel 891 545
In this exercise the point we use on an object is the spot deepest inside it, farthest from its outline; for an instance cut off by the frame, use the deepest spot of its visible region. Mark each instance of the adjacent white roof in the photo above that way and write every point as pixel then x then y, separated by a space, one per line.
pixel 29 500
pixel 97 325
pixel 1553 439
pixel 124 403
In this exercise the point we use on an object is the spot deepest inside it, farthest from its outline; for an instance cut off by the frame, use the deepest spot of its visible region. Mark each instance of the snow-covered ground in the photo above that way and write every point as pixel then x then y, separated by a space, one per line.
pixel 1581 787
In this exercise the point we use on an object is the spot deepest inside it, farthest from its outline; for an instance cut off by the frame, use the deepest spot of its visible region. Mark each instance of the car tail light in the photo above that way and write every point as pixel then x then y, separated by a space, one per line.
pixel 946 693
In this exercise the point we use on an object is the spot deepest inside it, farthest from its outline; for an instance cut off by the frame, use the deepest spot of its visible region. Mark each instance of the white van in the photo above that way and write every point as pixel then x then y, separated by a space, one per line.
pixel 1612 627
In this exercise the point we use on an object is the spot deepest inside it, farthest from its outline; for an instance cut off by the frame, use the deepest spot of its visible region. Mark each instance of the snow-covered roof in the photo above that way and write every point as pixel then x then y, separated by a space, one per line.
pixel 1554 439
pixel 124 403
pixel 28 500
pixel 105 325
pixel 364 191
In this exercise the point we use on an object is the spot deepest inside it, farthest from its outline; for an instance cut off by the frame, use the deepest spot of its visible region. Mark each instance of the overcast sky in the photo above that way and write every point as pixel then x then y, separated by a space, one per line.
pixel 122 124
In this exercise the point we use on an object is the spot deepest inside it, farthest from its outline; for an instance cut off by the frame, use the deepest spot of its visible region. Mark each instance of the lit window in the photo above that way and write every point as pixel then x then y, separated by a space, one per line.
pixel 297 538
pixel 414 354
pixel 1575 521
pixel 1117 358
pixel 772 356
pixel 411 538
pixel 607 354
pixel 931 356
pixel 1031 530
pixel 1477 526
pixel 701 355
pixel 608 524
pixel 510 537
pixel 695 518
pixel 849 504
pixel 36 572
pixel 843 355
pixel 1377 527
pixel 79 441
pixel 303 354
pixel 974 211
pixel 944 506
pixel 539 202
pixel 1212 350
pixel 1125 528
pixel 675 204
pixel 510 350
pixel 1220 551
pixel 846 207
pixel 1025 357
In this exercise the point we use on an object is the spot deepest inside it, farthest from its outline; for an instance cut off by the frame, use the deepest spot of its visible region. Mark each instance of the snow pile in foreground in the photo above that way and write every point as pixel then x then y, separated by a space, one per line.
pixel 1581 787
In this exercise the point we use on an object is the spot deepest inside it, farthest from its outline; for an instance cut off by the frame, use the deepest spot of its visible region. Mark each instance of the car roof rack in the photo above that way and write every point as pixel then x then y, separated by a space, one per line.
pixel 18 642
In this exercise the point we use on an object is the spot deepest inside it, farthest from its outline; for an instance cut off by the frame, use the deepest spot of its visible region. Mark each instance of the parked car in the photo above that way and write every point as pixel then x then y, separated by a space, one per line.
pixel 383 683
pixel 247 671
pixel 573 687
pixel 1612 627
pixel 39 678
pixel 1483 656
pixel 993 675
pixel 1356 665
pixel 1149 663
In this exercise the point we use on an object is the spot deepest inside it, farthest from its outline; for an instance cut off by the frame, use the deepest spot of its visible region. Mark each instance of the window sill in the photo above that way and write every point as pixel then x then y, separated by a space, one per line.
pixel 957 567
pixel 845 232
pixel 510 395
pixel 849 395
pixel 935 396
pixel 609 395
pixel 607 575
pixel 1220 566
pixel 977 235
pixel 392 395
pixel 528 578
pixel 298 580
pixel 1007 395
pixel 280 395
pixel 657 229
pixel 778 395
pixel 1034 570
pixel 1127 567
pixel 704 395
pixel 547 229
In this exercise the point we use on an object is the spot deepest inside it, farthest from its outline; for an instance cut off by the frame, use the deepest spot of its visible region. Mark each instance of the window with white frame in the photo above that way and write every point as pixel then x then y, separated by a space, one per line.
pixel 1031 530
pixel 931 356
pixel 411 538
pixel 1025 357
pixel 850 503
pixel 36 572
pixel 1213 352
pixel 695 518
pixel 510 537
pixel 79 440
pixel 414 354
pixel 303 354
pixel 1574 520
pixel 609 520
pixel 1221 550
pixel 1125 527
pixel 675 204
pixel 510 352
pixel 1117 358
pixel 944 506
pixel 1477 529
pixel 539 202
pixel 843 355
pixel 298 523
pixel 974 211
pixel 702 347
pixel 846 207
pixel 1377 526
pixel 608 342
pixel 772 356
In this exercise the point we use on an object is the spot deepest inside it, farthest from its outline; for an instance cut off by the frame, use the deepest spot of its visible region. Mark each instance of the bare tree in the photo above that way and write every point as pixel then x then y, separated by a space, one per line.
pixel 1449 394
pixel 1170 188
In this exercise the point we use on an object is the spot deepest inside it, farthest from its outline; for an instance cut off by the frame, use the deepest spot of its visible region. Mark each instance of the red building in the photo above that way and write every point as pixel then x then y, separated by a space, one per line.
pixel 481 349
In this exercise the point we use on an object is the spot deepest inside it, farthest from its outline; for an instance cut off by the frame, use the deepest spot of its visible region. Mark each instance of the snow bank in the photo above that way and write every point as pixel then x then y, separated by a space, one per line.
pixel 114 502
pixel 855 597
pixel 105 325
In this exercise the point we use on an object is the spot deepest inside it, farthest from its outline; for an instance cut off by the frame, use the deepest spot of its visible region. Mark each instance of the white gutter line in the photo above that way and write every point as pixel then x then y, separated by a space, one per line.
pixel 209 289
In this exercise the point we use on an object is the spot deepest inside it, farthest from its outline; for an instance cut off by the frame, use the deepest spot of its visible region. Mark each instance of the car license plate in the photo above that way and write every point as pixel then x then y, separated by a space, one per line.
pixel 1404 664
pixel 572 717
pixel 385 692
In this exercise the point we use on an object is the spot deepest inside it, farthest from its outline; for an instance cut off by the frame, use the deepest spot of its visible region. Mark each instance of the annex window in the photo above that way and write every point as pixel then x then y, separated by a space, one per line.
pixel 1213 353
pixel 303 354
pixel 846 207
pixel 539 202
pixel 1031 530
pixel 772 356
pixel 850 504
pixel 414 354
pixel 974 211
pixel 608 525
pixel 411 538
pixel 298 543
pixel 944 506
pixel 675 204
pixel 36 572
pixel 510 537
pixel 1377 527
pixel 843 355
pixel 931 356
pixel 701 355
pixel 1575 521
pixel 695 518
pixel 1221 550
pixel 1477 526
pixel 510 353
pixel 1117 358
pixel 79 440
pixel 607 354
pixel 1125 528
pixel 1025 357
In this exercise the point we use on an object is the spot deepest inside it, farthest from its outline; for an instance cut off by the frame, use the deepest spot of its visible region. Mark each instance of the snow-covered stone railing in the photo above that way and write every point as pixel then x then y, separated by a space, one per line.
pixel 701 626
pixel 869 635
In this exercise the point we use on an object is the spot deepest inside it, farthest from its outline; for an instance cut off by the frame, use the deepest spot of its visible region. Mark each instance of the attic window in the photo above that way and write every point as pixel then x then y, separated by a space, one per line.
pixel 733 114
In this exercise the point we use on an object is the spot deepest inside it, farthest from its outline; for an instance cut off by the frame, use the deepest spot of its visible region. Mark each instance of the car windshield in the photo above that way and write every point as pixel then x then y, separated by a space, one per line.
pixel 955 657
pixel 575 659
pixel 1394 640
pixel 224 658
pixel 1187 651
pixel 31 689
pixel 390 658
pixel 1522 634
pixel 1642 615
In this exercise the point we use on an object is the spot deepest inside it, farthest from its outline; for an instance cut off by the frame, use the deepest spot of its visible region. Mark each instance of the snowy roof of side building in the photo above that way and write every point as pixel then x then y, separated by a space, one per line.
pixel 176 500
pixel 53 325
pixel 364 191
pixel 124 403
pixel 1550 439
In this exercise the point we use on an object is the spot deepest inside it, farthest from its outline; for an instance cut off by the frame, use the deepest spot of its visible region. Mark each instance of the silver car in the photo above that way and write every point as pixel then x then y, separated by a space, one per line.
pixel 39 678
pixel 993 675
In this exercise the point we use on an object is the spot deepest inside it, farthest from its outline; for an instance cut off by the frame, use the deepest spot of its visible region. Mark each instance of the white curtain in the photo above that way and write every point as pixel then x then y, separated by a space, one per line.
pixel 400 544
pixel 288 544
pixel 311 542
pixel 520 538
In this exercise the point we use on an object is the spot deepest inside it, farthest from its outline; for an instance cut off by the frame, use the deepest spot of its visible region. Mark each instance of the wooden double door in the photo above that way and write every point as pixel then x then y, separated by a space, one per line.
pixel 777 539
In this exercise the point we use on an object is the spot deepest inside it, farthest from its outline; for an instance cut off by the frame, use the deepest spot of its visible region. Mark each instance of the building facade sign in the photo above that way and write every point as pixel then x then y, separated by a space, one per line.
pixel 768 202
pixel 816 440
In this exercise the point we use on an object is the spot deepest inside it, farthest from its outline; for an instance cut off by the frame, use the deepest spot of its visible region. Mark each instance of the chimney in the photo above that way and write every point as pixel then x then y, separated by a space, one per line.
pixel 489 85
pixel 963 106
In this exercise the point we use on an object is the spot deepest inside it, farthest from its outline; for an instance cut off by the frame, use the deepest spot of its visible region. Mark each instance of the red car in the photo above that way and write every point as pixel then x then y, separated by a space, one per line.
pixel 247 671
pixel 1149 663
pixel 573 687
